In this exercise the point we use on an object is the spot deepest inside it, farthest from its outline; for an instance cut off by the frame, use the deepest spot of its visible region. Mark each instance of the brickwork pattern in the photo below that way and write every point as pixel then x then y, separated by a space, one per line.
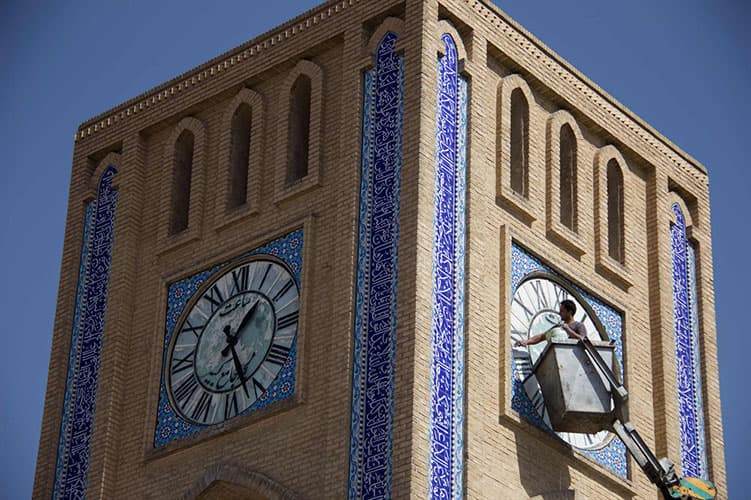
pixel 280 449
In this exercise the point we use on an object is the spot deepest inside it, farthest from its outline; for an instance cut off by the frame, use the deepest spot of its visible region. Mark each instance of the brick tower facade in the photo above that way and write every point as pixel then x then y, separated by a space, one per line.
pixel 300 271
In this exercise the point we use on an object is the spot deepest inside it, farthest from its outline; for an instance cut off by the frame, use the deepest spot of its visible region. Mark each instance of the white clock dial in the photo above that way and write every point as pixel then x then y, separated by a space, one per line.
pixel 534 310
pixel 232 340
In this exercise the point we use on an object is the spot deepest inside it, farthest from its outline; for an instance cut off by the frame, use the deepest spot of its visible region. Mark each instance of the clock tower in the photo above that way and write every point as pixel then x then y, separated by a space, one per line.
pixel 303 269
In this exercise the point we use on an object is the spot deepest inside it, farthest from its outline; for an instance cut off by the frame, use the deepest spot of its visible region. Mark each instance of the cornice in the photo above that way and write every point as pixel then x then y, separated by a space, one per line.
pixel 538 51
pixel 209 71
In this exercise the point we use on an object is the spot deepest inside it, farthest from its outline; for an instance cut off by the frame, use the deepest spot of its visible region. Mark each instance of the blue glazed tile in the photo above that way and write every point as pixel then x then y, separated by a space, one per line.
pixel 445 474
pixel 688 375
pixel 79 403
pixel 613 454
pixel 375 300
pixel 169 425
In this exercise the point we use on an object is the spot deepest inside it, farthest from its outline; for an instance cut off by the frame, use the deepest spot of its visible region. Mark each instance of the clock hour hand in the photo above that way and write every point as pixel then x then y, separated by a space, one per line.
pixel 239 369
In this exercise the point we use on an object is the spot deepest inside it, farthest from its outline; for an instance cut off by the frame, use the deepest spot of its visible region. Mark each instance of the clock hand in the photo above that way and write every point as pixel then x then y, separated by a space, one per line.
pixel 247 317
pixel 239 369
pixel 232 339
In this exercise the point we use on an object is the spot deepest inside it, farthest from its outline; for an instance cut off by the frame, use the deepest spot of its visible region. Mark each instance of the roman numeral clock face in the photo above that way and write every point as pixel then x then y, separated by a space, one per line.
pixel 232 341
pixel 534 310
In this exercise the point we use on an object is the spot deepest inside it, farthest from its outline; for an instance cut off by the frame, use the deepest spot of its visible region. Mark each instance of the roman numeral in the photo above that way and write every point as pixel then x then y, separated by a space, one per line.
pixel 240 279
pixel 277 354
pixel 181 364
pixel 214 297
pixel 185 390
pixel 525 308
pixel 258 389
pixel 202 408
pixel 195 330
pixel 230 405
pixel 284 289
pixel 560 294
pixel 288 320
pixel 542 302
pixel 265 275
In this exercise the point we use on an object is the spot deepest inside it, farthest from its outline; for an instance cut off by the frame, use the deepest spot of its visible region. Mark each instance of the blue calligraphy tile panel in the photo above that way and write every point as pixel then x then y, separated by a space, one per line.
pixel 613 453
pixel 79 403
pixel 445 474
pixel 687 359
pixel 169 425
pixel 375 304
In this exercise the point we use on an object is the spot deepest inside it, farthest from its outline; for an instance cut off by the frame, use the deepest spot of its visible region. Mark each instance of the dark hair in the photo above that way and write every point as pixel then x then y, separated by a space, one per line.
pixel 569 305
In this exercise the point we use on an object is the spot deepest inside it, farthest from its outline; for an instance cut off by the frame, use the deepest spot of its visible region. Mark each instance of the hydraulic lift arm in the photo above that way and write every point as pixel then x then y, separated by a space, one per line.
pixel 660 472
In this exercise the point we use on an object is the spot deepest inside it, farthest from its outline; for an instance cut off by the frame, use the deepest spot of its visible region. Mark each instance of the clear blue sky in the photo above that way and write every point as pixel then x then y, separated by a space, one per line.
pixel 683 66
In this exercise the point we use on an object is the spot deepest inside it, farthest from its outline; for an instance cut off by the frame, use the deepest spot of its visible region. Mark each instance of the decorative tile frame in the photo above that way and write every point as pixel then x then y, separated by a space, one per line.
pixel 169 426
pixel 371 432
pixel 613 454
pixel 79 403
pixel 446 449
pixel 687 354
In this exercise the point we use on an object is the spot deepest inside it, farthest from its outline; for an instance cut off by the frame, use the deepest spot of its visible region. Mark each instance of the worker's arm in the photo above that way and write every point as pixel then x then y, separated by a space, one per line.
pixel 532 340
pixel 572 333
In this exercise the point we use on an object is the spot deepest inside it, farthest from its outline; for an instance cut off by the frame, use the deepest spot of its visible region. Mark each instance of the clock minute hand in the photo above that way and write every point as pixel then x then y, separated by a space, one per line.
pixel 232 339
pixel 247 317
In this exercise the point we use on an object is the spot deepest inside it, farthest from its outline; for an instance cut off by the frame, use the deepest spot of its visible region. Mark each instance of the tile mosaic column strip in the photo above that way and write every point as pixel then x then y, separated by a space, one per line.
pixel 75 347
pixel 375 315
pixel 445 473
pixel 686 351
pixel 86 343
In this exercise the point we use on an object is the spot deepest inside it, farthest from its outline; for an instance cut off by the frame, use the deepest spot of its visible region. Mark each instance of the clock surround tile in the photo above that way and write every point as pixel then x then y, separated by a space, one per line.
pixel 79 403
pixel 446 449
pixel 371 433
pixel 170 427
pixel 687 355
pixel 613 454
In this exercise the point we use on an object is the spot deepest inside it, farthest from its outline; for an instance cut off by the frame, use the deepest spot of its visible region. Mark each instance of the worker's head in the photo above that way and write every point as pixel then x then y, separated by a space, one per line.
pixel 567 310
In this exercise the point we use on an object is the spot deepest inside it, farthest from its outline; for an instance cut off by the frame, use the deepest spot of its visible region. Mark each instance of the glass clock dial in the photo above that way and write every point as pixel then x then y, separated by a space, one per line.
pixel 534 310
pixel 232 340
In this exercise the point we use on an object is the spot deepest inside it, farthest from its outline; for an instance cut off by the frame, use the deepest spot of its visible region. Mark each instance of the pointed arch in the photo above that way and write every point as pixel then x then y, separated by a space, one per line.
pixel 515 128
pixel 242 149
pixel 301 101
pixel 564 187
pixel 225 477
pixel 612 241
pixel 182 194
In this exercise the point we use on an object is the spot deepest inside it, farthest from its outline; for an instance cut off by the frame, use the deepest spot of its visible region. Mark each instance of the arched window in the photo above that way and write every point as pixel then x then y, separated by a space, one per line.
pixel 182 173
pixel 240 155
pixel 298 131
pixel 519 143
pixel 616 248
pixel 568 157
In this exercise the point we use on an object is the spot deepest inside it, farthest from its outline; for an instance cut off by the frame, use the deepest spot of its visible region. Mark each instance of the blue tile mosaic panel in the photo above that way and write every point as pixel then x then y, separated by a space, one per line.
pixel 687 356
pixel 613 454
pixel 169 425
pixel 445 463
pixel 375 304
pixel 79 403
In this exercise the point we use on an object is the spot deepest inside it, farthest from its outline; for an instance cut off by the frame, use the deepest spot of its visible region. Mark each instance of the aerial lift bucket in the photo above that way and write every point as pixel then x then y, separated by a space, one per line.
pixel 577 396
pixel 583 394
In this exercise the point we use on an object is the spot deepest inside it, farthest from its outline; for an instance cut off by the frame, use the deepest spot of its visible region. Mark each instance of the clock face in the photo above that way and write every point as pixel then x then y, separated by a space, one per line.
pixel 534 310
pixel 232 340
